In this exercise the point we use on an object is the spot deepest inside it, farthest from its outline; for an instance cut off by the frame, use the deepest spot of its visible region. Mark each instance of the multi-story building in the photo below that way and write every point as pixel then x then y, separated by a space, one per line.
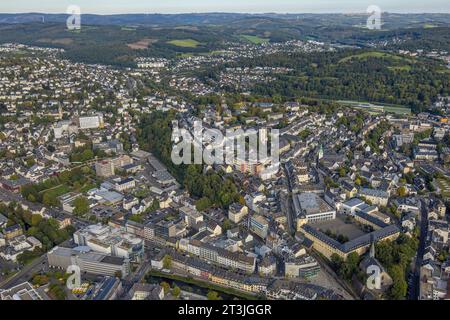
pixel 104 168
pixel 88 261
pixel 310 208
pixel 121 185
pixel 237 212
pixel 218 255
pixel 161 229
pixel 12 232
pixel 259 225
pixel 268 266
pixel 146 291
pixel 304 266
pixel 328 246
pixel 191 216
pixel 91 122
pixel 375 196
pixel 111 241
pixel 23 291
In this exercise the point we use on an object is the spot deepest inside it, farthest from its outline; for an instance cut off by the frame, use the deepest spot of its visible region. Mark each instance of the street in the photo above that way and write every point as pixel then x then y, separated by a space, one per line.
pixel 423 220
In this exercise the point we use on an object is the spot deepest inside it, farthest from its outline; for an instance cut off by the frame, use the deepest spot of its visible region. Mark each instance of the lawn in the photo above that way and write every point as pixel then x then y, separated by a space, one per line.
pixel 88 187
pixel 376 107
pixel 254 39
pixel 375 54
pixel 185 55
pixel 444 185
pixel 400 68
pixel 63 189
pixel 186 43
pixel 57 191
pixel 398 110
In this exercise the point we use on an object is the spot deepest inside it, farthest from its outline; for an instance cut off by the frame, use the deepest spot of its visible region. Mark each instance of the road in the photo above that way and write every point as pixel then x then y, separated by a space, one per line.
pixel 36 266
pixel 344 287
pixel 287 202
pixel 423 220
pixel 290 215
pixel 24 274
pixel 135 277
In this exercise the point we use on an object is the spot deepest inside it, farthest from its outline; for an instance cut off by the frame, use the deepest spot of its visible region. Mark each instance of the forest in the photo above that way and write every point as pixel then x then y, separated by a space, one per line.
pixel 211 189
pixel 358 75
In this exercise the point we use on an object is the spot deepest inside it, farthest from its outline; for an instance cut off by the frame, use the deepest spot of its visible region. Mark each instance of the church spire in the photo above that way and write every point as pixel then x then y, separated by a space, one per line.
pixel 320 155
pixel 372 246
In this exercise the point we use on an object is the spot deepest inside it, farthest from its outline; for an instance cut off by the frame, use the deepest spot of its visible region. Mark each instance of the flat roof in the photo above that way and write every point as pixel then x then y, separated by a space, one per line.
pixel 310 203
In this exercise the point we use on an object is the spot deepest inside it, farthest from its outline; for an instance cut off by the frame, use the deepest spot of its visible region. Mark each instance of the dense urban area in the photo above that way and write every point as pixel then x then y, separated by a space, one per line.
pixel 87 179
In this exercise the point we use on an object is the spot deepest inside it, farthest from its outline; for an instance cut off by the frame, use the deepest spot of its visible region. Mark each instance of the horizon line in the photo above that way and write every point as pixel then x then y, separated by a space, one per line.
pixel 220 12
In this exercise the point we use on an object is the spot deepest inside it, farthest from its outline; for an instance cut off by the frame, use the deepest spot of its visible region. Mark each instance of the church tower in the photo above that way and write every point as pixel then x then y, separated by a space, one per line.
pixel 372 246
pixel 320 155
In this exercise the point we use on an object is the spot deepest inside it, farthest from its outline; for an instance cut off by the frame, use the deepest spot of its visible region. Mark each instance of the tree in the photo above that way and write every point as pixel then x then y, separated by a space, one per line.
pixel 213 295
pixel 165 286
pixel 336 261
pixel 402 192
pixel 167 262
pixel 346 269
pixel 49 199
pixel 35 219
pixel 176 291
pixel 399 287
pixel 203 204
pixel 40 280
pixel 81 205
pixel 227 225
pixel 57 292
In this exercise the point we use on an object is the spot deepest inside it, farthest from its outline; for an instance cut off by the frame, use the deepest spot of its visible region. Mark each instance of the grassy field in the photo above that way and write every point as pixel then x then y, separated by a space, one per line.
pixel 186 43
pixel 400 68
pixel 254 39
pixel 398 110
pixel 376 107
pixel 185 55
pixel 375 54
pixel 88 187
pixel 215 52
pixel 57 191
pixel 444 185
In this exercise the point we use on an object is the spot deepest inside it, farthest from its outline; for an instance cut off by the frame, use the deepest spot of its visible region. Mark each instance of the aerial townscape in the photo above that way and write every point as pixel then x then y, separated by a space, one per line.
pixel 93 207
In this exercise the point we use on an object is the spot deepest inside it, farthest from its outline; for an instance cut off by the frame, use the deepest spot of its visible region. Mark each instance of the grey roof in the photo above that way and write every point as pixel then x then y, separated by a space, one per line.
pixel 310 203
pixel 3 219
pixel 355 243
pixel 374 193
pixel 354 202
pixel 371 219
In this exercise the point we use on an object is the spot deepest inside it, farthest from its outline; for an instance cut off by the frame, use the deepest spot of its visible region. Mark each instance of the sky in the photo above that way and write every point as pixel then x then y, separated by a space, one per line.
pixel 249 6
